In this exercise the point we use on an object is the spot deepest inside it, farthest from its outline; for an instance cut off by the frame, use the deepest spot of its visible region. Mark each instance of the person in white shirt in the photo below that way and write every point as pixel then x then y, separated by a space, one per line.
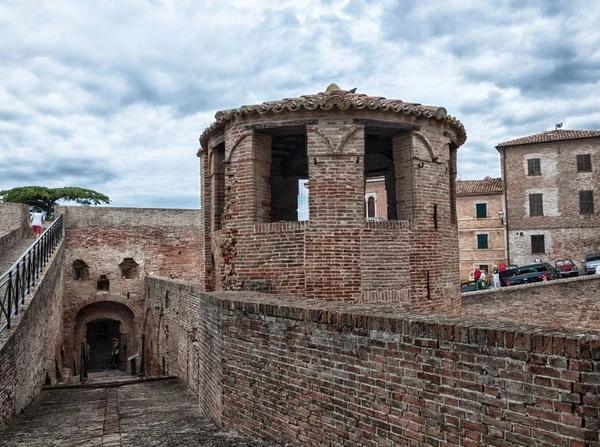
pixel 37 219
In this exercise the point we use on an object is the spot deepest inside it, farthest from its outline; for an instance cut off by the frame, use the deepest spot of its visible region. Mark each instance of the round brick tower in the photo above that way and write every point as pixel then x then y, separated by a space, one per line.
pixel 283 199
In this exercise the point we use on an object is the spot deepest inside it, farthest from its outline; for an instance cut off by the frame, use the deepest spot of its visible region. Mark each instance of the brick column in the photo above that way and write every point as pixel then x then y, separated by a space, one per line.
pixel 207 267
pixel 403 170
pixel 336 203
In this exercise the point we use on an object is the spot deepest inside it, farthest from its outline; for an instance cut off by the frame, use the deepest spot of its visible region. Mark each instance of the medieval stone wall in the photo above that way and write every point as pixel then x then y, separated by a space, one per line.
pixel 161 242
pixel 14 224
pixel 325 373
pixel 568 303
pixel 30 352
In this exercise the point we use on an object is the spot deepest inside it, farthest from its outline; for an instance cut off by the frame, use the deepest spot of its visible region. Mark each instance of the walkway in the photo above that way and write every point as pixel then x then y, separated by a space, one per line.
pixel 158 413
pixel 8 258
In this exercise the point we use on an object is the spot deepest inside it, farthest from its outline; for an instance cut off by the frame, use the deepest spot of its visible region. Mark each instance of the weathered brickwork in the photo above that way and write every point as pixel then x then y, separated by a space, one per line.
pixel 569 303
pixel 14 224
pixel 30 352
pixel 160 242
pixel 469 226
pixel 331 373
pixel 331 256
pixel 567 232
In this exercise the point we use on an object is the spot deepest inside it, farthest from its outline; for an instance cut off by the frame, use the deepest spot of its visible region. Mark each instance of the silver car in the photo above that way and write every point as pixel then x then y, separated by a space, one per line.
pixel 591 262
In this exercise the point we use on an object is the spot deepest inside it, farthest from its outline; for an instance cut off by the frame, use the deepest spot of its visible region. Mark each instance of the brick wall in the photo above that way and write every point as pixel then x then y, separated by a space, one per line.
pixel 30 352
pixel 567 233
pixel 568 303
pixel 324 259
pixel 325 373
pixel 469 226
pixel 162 242
pixel 13 215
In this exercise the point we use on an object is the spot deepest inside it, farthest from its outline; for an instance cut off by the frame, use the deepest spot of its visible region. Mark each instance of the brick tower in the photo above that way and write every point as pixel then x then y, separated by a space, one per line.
pixel 283 200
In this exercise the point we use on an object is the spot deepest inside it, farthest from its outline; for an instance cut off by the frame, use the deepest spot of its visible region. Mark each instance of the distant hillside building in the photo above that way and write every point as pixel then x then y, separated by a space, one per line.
pixel 551 184
pixel 480 212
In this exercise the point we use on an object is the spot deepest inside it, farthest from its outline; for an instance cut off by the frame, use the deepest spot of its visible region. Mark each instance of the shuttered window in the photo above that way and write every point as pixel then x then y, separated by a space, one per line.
pixel 482 241
pixel 481 210
pixel 537 244
pixel 536 206
pixel 584 162
pixel 586 202
pixel 534 167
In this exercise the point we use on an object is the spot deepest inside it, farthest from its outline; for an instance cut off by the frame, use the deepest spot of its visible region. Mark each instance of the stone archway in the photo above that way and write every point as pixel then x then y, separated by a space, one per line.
pixel 102 321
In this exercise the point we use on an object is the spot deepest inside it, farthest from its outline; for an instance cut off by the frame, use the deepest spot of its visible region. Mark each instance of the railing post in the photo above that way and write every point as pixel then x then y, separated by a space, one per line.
pixel 83 364
pixel 9 294
pixel 143 359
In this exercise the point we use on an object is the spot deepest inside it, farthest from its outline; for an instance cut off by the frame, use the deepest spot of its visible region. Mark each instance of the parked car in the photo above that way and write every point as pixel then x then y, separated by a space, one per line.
pixel 591 262
pixel 567 268
pixel 511 270
pixel 533 273
pixel 471 286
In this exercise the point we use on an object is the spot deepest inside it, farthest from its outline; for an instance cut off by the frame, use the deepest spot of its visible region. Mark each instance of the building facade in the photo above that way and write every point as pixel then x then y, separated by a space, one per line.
pixel 257 160
pixel 481 231
pixel 551 184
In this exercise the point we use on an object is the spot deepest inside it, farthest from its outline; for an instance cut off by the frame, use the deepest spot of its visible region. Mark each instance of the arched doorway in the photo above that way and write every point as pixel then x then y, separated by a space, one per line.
pixel 97 324
pixel 99 335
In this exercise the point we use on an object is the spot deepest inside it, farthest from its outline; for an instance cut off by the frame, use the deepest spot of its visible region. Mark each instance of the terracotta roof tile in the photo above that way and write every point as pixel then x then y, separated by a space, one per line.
pixel 552 135
pixel 340 99
pixel 475 187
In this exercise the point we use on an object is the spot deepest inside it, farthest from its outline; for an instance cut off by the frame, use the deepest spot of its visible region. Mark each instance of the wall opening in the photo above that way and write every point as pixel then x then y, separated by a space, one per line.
pixel 289 175
pixel 379 174
pixel 217 186
pixel 99 335
pixel 81 272
pixel 129 268
pixel 103 284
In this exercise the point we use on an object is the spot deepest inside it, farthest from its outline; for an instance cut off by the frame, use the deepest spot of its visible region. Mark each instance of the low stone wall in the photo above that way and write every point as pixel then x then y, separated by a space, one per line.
pixel 572 303
pixel 13 215
pixel 322 373
pixel 8 239
pixel 30 350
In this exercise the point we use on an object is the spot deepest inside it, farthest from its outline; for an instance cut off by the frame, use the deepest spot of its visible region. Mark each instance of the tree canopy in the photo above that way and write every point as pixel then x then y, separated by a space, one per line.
pixel 44 199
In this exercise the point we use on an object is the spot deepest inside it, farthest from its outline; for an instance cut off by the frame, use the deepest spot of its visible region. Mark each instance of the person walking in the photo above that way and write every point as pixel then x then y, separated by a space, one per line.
pixel 37 219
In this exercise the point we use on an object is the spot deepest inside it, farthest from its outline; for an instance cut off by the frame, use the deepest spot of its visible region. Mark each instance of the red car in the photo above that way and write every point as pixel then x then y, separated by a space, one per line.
pixel 567 268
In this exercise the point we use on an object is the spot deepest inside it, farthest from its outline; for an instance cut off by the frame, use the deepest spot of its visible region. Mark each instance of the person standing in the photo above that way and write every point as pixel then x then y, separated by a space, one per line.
pixel 37 219
pixel 497 283
pixel 476 275
pixel 115 354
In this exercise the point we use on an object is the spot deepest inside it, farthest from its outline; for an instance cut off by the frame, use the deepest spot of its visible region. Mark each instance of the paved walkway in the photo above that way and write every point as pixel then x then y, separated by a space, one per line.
pixel 158 413
pixel 8 257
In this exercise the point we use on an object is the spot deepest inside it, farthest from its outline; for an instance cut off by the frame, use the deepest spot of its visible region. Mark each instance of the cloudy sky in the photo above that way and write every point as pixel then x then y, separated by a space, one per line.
pixel 113 96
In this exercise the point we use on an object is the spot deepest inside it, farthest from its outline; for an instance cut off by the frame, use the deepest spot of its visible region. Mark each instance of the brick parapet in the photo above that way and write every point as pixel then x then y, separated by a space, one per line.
pixel 289 369
pixel 13 216
pixel 30 351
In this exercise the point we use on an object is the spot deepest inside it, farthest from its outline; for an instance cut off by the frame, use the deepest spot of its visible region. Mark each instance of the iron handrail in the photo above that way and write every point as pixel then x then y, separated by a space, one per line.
pixel 20 278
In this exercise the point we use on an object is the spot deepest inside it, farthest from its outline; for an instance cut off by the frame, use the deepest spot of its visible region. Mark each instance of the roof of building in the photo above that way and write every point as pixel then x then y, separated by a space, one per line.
pixel 552 135
pixel 476 187
pixel 341 99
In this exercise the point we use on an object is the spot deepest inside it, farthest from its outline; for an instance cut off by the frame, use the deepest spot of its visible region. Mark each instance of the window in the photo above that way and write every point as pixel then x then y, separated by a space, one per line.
pixel 586 202
pixel 482 241
pixel 129 268
pixel 371 207
pixel 481 210
pixel 534 166
pixel 537 244
pixel 584 163
pixel 103 284
pixel 536 207
pixel 81 271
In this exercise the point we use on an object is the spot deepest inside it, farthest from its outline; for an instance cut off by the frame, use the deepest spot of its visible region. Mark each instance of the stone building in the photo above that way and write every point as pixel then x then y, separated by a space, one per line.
pixel 481 233
pixel 255 161
pixel 552 200
pixel 375 199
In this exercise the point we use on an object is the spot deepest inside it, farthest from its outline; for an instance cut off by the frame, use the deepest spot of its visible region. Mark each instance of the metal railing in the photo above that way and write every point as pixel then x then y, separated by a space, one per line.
pixel 18 281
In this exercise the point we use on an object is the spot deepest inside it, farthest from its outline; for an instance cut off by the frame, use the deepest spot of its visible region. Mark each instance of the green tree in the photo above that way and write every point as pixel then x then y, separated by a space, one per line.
pixel 43 198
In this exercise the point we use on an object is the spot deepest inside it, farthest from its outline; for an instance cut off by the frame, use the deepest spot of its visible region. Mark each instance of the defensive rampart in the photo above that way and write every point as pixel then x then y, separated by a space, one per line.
pixel 568 303
pixel 322 373
pixel 30 351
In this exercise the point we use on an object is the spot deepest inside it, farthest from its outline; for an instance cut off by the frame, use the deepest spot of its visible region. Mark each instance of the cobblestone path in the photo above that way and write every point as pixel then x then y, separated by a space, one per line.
pixel 159 413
